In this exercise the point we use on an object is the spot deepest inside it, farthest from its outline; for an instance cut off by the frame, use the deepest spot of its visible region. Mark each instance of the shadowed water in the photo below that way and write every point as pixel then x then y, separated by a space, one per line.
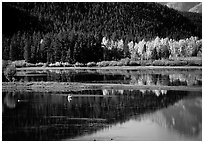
pixel 102 115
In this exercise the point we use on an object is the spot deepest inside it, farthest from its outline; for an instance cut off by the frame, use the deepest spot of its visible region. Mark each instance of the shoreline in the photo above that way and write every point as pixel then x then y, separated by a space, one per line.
pixel 111 67
pixel 74 86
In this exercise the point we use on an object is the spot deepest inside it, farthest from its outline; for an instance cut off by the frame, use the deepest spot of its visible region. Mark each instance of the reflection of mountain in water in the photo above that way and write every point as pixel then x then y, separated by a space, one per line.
pixel 168 80
pixel 184 117
pixel 48 116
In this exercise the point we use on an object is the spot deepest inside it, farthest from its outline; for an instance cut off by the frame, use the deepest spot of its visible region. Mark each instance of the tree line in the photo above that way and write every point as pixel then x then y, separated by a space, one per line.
pixel 67 46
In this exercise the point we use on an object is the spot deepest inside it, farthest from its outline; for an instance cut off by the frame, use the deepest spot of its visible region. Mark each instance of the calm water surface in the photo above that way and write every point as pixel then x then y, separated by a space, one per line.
pixel 118 115
pixel 105 114
pixel 139 77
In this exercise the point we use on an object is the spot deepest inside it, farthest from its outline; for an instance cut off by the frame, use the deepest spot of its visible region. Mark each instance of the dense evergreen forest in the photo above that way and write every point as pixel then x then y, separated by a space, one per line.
pixel 73 32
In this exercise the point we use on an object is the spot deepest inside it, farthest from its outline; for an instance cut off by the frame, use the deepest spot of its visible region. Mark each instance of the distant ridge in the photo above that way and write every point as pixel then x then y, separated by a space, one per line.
pixel 185 6
pixel 197 8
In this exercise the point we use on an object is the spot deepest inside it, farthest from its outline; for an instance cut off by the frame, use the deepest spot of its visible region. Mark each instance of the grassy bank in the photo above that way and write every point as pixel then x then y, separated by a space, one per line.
pixel 191 61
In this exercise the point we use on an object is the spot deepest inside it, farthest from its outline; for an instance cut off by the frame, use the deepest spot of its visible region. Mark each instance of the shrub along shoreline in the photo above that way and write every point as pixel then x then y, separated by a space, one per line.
pixel 193 61
pixel 9 68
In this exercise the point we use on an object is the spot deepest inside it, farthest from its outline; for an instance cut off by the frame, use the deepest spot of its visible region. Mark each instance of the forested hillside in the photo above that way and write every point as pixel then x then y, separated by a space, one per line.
pixel 71 32
pixel 196 19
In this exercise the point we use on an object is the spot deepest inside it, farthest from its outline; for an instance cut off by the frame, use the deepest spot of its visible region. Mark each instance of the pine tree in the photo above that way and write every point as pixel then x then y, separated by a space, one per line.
pixel 27 50
pixel 13 49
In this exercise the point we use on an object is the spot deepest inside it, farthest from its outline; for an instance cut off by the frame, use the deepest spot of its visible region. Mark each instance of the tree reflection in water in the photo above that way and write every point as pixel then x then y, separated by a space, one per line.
pixel 49 116
pixel 143 77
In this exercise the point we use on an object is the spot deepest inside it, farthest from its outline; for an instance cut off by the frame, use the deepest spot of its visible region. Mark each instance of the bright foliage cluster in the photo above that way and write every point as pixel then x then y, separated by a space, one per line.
pixel 160 48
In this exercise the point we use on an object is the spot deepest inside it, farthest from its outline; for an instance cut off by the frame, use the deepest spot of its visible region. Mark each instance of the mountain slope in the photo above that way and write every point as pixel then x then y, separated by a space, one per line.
pixel 15 20
pixel 197 8
pixel 139 19
pixel 181 6
pixel 196 19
